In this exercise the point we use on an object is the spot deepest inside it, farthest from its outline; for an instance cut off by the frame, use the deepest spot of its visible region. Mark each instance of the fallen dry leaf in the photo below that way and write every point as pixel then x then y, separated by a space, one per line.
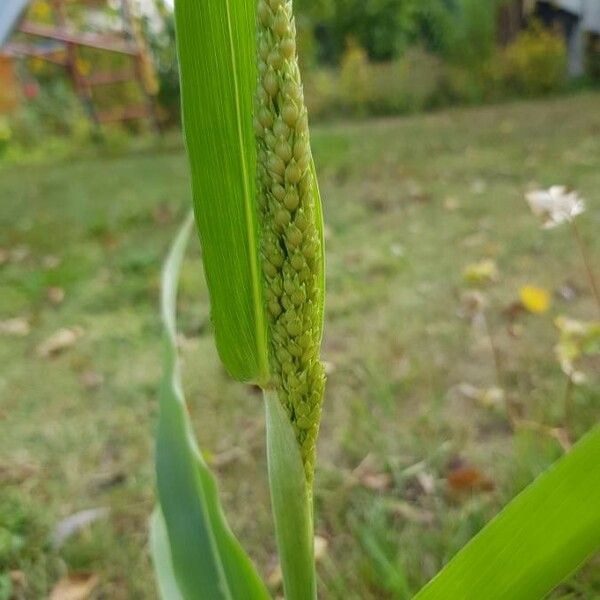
pixel 18 327
pixel 468 479
pixel 91 379
pixel 412 513
pixel 488 397
pixel 59 341
pixel 16 473
pixel 55 294
pixel 76 586
pixel 50 261
pixel 451 204
pixel 76 522
pixel 18 581
pixel 162 214
pixel 367 476
pixel 513 311
pixel 19 254
pixel 427 482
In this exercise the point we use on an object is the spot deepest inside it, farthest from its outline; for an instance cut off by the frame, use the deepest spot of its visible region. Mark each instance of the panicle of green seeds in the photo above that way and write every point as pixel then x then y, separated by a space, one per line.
pixel 290 241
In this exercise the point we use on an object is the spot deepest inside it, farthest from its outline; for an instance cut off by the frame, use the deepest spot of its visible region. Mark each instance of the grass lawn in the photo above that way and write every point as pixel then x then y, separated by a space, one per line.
pixel 415 456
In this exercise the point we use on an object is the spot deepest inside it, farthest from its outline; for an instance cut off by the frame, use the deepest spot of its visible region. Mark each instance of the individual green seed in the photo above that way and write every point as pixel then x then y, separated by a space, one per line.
pixel 295 350
pixel 288 367
pixel 276 165
pixel 270 83
pixel 289 114
pixel 289 285
pixel 275 60
pixel 264 13
pixel 277 259
pixel 298 297
pixel 309 249
pixel 283 150
pixel 275 308
pixel 304 273
pixel 278 191
pixel 288 47
pixel 263 49
pixel 293 173
pixel 265 117
pixel 280 129
pixel 292 90
pixel 281 24
pixel 297 262
pixel 258 128
pixel 269 269
pixel 282 217
pixel 301 148
pixel 294 327
pixel 301 221
pixel 294 236
pixel 291 199
pixel 270 140
pixel 302 125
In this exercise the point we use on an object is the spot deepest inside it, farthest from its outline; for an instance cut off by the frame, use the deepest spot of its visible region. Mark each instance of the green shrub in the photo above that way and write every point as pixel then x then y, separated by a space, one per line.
pixel 407 85
pixel 355 84
pixel 535 63
pixel 322 92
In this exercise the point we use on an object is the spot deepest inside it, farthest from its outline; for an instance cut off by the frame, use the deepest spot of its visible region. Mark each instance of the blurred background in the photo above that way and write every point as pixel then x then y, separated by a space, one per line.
pixel 462 339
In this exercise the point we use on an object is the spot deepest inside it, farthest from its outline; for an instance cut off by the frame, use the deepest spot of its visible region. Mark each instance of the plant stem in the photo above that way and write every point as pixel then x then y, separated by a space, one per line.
pixel 587 262
pixel 568 403
pixel 291 501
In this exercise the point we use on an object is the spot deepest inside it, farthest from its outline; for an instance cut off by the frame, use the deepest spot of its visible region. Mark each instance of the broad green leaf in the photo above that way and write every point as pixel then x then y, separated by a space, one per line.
pixel 537 541
pixel 216 46
pixel 168 589
pixel 207 560
pixel 291 504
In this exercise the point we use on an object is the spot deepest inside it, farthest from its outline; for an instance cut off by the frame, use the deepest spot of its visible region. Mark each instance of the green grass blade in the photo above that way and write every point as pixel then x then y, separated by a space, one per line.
pixel 537 541
pixel 216 46
pixel 291 504
pixel 207 560
pixel 168 589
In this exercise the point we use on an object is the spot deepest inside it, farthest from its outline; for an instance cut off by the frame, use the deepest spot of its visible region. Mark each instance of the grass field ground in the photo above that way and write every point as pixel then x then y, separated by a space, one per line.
pixel 415 456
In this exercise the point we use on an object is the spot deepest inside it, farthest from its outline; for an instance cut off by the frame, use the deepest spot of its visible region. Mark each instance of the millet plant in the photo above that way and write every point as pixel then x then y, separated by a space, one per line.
pixel 258 213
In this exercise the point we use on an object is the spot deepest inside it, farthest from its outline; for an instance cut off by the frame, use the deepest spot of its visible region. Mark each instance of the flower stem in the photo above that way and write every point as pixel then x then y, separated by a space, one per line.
pixel 585 254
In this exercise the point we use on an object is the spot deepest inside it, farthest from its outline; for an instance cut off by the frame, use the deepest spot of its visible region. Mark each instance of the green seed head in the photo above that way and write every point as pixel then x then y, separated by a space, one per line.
pixel 290 238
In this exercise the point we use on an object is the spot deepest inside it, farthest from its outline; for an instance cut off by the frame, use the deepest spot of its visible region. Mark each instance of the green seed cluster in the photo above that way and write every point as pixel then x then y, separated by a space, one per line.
pixel 290 242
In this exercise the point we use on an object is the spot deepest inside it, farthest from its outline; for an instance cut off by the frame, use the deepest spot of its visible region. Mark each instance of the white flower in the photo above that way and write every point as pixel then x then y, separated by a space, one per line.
pixel 555 206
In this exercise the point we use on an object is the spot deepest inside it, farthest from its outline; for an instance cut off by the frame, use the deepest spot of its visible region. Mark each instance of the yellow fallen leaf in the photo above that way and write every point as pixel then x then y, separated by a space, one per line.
pixel 59 341
pixel 76 586
pixel 534 299
pixel 484 271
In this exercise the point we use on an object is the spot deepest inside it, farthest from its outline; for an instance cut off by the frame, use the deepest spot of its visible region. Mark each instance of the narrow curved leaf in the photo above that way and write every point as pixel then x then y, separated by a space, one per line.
pixel 168 589
pixel 216 45
pixel 291 504
pixel 207 560
pixel 537 541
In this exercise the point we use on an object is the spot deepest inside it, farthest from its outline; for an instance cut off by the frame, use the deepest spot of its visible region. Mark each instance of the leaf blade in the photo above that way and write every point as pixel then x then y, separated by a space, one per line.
pixel 207 559
pixel 168 587
pixel 539 539
pixel 216 46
